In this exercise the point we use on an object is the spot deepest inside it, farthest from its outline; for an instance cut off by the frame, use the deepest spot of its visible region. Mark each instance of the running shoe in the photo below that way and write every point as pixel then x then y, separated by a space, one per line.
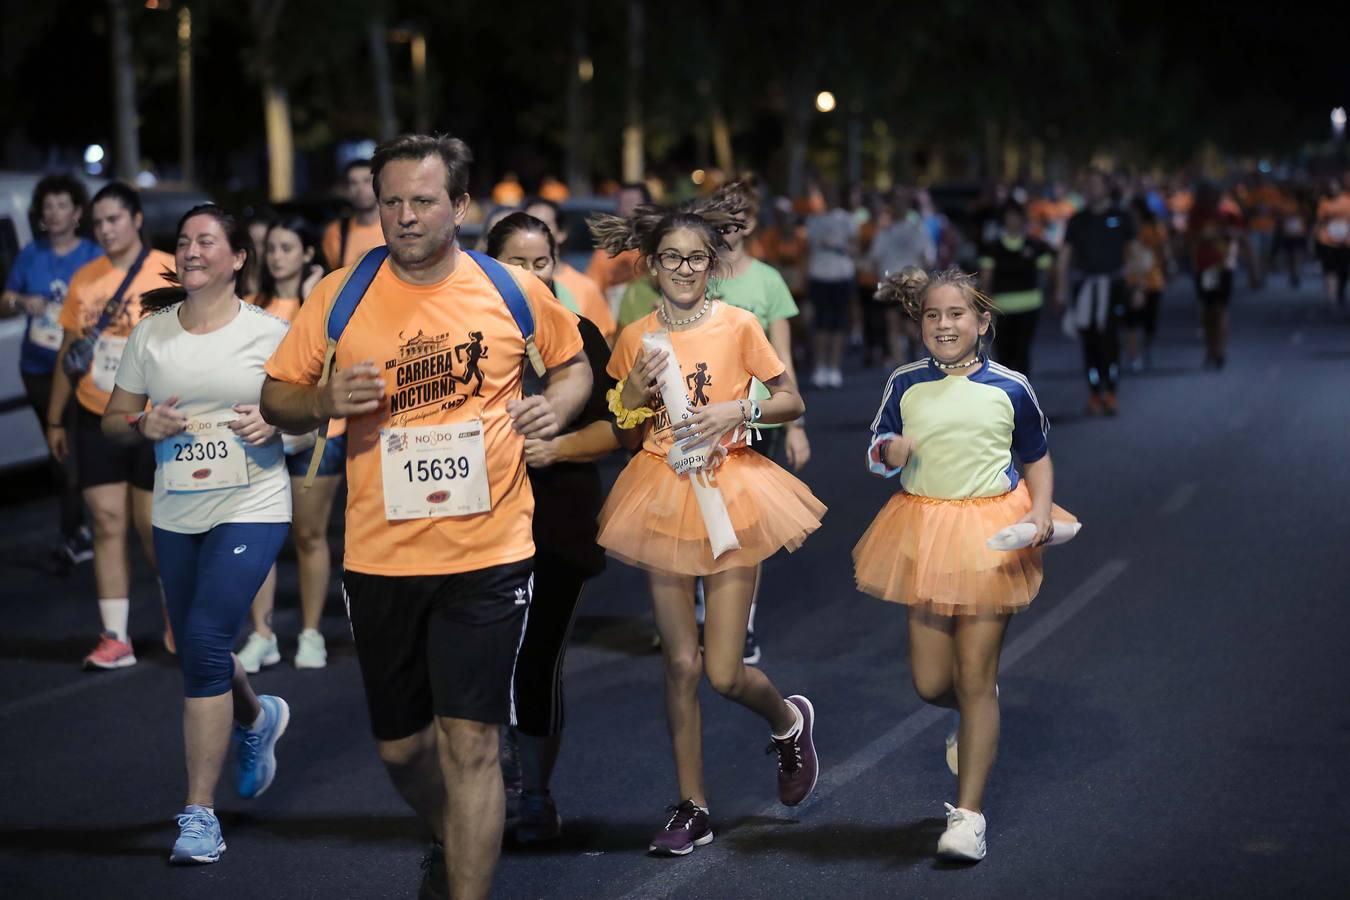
pixel 1094 405
pixel 963 841
pixel 199 839
pixel 312 652
pixel 258 652
pixel 539 821
pixel 751 656
pixel 1109 403
pixel 798 767
pixel 836 378
pixel 255 747
pixel 687 828
pixel 110 653
pixel 435 879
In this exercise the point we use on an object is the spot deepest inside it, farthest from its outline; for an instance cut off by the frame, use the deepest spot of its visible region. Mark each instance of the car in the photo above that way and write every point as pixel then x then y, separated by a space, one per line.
pixel 23 442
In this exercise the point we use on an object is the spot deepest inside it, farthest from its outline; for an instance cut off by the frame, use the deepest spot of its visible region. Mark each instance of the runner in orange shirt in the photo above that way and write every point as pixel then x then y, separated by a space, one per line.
pixel 439 548
pixel 652 518
pixel 347 238
pixel 291 268
pixel 106 469
pixel 590 300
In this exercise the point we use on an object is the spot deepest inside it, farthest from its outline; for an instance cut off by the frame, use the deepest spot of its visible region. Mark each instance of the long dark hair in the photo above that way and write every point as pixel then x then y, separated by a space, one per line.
pixel 236 233
pixel 650 223
pixel 513 224
pixel 309 240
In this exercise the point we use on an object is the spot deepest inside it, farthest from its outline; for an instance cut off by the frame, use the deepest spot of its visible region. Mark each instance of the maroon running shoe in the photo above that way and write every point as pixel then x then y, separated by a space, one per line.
pixel 688 828
pixel 798 767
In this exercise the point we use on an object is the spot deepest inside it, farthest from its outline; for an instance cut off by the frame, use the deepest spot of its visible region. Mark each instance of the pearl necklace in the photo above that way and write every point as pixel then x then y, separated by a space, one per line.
pixel 964 365
pixel 675 323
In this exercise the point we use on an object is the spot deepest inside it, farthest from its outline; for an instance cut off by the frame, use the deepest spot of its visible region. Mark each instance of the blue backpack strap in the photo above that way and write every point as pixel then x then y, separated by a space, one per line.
pixel 354 287
pixel 515 302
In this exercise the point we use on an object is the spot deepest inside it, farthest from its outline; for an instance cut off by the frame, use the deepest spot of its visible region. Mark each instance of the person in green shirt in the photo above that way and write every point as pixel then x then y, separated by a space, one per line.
pixel 756 287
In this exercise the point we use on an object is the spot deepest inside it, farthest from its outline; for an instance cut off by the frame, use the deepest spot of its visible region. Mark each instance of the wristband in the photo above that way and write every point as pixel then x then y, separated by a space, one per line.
pixel 56 424
pixel 755 412
pixel 626 418
pixel 134 420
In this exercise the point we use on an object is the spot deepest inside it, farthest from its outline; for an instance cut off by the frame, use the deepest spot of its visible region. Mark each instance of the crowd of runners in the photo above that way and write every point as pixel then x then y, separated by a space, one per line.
pixel 214 400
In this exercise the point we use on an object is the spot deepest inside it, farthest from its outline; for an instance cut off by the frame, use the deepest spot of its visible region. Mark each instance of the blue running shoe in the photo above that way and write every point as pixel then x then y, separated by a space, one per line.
pixel 255 747
pixel 199 839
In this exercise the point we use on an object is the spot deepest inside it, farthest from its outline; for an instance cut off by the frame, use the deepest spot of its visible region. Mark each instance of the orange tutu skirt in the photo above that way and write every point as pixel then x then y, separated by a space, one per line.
pixel 651 518
pixel 931 553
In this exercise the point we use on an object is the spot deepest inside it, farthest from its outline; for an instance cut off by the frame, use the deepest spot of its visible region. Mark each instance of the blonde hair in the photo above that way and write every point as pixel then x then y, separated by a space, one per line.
pixel 911 286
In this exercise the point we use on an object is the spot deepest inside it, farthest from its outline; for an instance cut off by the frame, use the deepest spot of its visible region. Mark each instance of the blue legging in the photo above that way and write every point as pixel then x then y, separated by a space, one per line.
pixel 210 579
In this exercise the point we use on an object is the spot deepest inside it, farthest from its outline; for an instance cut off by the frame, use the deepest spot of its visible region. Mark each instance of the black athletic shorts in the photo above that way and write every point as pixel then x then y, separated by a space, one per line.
pixel 104 462
pixel 438 645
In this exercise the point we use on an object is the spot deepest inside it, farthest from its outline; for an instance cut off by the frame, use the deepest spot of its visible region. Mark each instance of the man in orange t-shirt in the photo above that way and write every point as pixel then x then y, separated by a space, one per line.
pixel 613 273
pixel 439 550
pixel 1333 240
pixel 587 293
pixel 345 239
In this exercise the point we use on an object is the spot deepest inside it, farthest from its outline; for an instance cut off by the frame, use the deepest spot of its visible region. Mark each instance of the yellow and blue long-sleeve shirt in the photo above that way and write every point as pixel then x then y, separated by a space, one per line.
pixel 965 429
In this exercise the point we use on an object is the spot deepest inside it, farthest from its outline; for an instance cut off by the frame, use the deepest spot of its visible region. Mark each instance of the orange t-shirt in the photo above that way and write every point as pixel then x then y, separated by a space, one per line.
pixel 717 360
pixel 287 308
pixel 418 335
pixel 92 286
pixel 1333 221
pixel 592 302
pixel 613 273
pixel 360 238
pixel 1153 238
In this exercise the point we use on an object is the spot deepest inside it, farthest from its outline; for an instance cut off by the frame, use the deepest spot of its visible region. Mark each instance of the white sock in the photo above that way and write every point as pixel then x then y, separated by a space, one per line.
pixel 750 625
pixel 796 728
pixel 115 614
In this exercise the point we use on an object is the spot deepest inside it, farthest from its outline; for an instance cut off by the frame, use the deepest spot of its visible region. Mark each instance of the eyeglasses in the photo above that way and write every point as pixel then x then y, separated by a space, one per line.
pixel 671 261
pixel 730 228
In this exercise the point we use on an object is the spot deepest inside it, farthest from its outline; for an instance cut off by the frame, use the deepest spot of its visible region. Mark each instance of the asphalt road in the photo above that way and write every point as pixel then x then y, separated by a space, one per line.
pixel 1175 720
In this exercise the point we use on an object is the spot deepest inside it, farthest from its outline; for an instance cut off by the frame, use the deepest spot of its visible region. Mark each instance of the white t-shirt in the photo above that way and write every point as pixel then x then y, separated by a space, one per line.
pixel 829 246
pixel 210 374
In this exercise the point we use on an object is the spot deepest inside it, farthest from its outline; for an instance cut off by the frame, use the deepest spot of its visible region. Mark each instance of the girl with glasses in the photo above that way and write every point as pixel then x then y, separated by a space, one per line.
pixel 652 519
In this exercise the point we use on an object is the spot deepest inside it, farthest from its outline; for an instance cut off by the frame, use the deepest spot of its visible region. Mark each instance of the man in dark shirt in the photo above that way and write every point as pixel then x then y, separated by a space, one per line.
pixel 1091 285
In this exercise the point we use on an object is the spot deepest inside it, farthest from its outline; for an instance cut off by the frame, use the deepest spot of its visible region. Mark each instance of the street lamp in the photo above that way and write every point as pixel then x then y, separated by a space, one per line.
pixel 825 102
pixel 1338 122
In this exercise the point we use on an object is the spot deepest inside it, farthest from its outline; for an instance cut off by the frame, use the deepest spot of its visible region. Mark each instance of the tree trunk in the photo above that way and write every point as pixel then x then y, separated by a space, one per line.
pixel 384 83
pixel 186 132
pixel 577 163
pixel 127 156
pixel 634 166
pixel 280 145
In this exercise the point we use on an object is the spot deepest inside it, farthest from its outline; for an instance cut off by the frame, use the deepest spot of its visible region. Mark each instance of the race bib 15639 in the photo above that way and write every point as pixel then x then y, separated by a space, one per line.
pixel 434 471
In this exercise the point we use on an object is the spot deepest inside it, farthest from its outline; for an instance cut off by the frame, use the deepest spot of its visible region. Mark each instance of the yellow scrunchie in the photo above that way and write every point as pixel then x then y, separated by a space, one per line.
pixel 624 417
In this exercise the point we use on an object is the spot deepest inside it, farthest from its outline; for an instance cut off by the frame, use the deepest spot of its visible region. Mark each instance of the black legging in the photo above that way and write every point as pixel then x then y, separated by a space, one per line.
pixel 1013 335
pixel 39 391
pixel 538 687
pixel 1101 353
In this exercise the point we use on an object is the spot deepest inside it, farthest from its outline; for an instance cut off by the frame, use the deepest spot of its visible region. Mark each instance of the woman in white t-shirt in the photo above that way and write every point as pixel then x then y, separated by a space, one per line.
pixel 222 500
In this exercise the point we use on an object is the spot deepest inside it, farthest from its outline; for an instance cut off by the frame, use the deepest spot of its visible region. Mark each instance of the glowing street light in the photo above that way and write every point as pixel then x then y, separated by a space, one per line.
pixel 825 102
pixel 1338 122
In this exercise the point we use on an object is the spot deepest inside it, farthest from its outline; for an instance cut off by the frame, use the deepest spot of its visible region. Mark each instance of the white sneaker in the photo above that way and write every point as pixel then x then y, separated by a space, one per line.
pixel 963 841
pixel 835 377
pixel 820 378
pixel 259 651
pixel 313 653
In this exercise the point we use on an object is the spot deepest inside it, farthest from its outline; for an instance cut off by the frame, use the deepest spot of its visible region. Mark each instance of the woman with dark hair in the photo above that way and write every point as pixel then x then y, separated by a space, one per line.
pixel 36 287
pixel 1013 269
pixel 102 304
pixel 290 269
pixel 567 498
pixel 189 386
pixel 653 519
